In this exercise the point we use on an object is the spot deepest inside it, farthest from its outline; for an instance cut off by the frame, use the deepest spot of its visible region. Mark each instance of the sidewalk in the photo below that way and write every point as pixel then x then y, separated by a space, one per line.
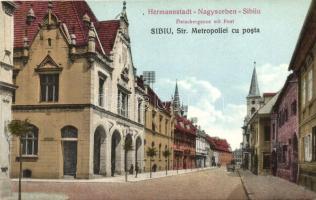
pixel 39 196
pixel 120 178
pixel 270 187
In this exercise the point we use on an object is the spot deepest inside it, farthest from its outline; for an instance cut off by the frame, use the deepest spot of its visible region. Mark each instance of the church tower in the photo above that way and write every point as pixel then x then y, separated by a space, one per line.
pixel 176 101
pixel 253 99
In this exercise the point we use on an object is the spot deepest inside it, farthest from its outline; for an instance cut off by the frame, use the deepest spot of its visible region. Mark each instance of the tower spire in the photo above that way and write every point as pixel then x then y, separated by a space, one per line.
pixel 254 87
pixel 176 100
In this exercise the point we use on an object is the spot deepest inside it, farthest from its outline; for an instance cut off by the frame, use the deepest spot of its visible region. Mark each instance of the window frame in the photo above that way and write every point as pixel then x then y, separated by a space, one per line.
pixel 34 141
pixel 44 87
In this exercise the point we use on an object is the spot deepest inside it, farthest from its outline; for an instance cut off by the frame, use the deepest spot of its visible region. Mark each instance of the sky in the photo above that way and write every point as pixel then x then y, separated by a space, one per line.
pixel 213 71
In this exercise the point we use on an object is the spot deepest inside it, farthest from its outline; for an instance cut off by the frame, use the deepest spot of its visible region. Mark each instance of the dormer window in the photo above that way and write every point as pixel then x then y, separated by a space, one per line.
pixel 48 71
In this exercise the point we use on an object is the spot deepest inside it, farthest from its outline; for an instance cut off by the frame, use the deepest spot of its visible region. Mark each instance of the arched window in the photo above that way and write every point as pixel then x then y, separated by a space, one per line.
pixel 30 142
pixel 69 132
pixel 253 110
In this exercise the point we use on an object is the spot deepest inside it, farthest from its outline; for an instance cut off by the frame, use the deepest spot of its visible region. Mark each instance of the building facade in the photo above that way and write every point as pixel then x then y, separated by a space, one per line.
pixel 221 151
pixel 78 87
pixel 303 64
pixel 184 137
pixel 260 142
pixel 284 131
pixel 202 149
pixel 6 91
pixel 159 123
pixel 184 143
pixel 237 156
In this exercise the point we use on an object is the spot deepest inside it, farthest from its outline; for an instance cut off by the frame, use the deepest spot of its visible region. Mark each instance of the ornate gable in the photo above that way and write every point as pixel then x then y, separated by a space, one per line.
pixel 48 65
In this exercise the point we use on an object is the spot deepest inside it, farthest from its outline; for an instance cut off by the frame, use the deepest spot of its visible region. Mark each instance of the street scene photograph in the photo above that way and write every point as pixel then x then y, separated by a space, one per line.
pixel 158 100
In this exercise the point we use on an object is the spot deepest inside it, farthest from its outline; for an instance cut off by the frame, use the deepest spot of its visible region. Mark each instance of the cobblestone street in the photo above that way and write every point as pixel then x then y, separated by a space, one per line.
pixel 207 184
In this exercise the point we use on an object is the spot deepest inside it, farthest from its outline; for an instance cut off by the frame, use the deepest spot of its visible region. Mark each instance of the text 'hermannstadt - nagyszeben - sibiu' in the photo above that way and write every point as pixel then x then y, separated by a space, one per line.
pixel 202 11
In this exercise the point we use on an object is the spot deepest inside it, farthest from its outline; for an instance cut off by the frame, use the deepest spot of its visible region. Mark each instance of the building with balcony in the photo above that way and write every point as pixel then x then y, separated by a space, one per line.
pixel 260 130
pixel 184 137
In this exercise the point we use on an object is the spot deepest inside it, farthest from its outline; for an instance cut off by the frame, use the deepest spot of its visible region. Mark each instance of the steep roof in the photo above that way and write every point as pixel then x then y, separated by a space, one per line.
pixel 291 79
pixel 155 100
pixel 68 12
pixel 267 108
pixel 107 31
pixel 254 87
pixel 306 38
pixel 184 125
pixel 219 144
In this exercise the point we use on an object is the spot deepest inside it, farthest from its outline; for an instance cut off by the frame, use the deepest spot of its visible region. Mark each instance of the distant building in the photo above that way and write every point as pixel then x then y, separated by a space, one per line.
pixel 222 154
pixel 303 65
pixel 237 156
pixel 202 148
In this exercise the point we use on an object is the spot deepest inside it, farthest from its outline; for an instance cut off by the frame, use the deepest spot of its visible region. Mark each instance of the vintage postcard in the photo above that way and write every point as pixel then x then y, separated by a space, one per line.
pixel 157 100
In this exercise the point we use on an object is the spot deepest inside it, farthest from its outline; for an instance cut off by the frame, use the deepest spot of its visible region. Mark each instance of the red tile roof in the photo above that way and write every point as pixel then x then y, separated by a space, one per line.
pixel 107 31
pixel 68 12
pixel 219 144
pixel 185 122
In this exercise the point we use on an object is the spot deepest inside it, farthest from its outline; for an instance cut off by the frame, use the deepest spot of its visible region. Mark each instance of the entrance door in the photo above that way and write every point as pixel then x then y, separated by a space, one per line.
pixel 70 158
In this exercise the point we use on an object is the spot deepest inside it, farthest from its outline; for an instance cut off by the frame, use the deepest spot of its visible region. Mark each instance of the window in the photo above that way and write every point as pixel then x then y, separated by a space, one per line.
pixel 273 131
pixel 153 144
pixel 122 104
pixel 160 124
pixel 267 133
pixel 139 108
pixel 49 41
pixel 69 132
pixel 166 127
pixel 314 143
pixel 153 121
pixel 49 87
pixel 253 102
pixel 303 91
pixel 30 142
pixel 101 91
pixel 307 148
pixel 286 114
pixel 284 153
pixel 310 85
pixel 266 161
pixel 159 151
pixel 253 110
pixel 293 107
